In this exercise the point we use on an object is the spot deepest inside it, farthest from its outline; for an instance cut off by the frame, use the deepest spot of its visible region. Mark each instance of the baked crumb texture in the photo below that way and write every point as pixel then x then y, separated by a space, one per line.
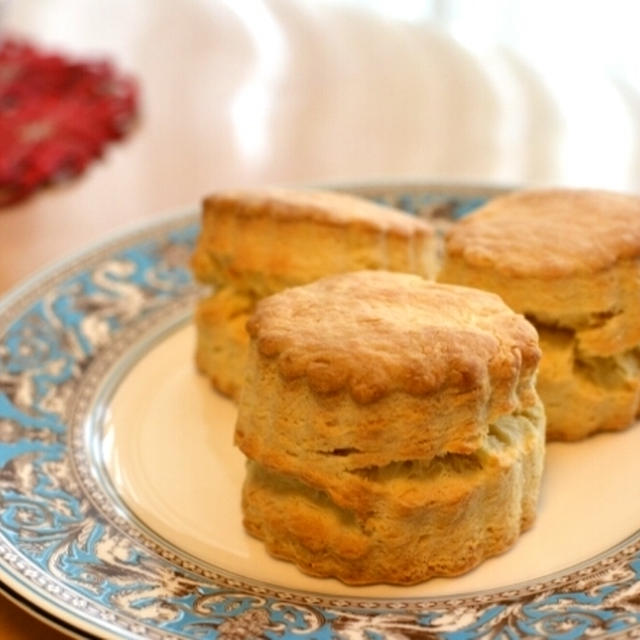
pixel 255 243
pixel 570 261
pixel 392 427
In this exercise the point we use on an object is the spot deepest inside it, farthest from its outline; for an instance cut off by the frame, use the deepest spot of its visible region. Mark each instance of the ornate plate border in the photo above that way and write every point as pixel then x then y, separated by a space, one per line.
pixel 67 547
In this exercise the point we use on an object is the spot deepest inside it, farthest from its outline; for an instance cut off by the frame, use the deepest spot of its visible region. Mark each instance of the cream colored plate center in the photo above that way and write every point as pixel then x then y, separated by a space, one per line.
pixel 168 448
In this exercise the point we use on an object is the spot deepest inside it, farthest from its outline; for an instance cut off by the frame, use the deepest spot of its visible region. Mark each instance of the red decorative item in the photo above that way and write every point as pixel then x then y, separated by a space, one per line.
pixel 56 116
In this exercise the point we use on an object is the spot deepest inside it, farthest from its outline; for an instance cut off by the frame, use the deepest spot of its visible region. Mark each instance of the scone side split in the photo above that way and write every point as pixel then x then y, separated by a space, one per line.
pixel 386 411
pixel 408 534
pixel 255 243
pixel 570 261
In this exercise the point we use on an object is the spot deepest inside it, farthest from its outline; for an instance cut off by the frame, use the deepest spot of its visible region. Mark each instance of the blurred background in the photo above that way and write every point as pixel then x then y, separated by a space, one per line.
pixel 255 92
pixel 250 92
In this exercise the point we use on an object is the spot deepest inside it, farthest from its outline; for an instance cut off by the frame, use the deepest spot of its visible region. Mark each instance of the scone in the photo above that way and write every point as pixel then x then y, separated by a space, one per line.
pixel 570 261
pixel 392 427
pixel 255 243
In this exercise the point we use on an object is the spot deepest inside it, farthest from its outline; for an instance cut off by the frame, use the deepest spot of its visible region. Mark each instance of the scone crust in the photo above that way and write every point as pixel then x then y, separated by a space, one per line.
pixel 549 234
pixel 263 241
pixel 319 206
pixel 374 332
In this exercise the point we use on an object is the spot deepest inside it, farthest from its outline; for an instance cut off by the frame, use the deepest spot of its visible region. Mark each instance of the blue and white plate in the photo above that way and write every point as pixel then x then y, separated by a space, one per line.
pixel 119 484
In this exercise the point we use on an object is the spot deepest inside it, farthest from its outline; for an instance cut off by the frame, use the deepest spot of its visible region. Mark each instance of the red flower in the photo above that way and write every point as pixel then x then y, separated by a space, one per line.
pixel 56 115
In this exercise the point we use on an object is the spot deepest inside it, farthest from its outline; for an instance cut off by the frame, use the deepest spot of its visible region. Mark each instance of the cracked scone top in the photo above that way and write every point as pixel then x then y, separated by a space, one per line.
pixel 570 260
pixel 392 427
pixel 373 333
pixel 549 234
pixel 392 367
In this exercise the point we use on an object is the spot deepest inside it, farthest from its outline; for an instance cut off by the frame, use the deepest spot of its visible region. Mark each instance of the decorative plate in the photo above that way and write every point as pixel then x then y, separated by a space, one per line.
pixel 119 485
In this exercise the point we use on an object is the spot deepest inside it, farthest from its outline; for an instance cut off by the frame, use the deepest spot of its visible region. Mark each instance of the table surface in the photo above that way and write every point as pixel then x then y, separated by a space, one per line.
pixel 293 92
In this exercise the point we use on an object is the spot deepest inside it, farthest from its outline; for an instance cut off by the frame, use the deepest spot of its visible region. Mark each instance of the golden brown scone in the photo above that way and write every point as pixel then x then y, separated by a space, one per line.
pixel 255 243
pixel 568 260
pixel 364 377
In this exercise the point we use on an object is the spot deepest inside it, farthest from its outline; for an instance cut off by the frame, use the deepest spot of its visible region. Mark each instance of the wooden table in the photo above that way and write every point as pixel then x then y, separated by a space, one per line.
pixel 284 91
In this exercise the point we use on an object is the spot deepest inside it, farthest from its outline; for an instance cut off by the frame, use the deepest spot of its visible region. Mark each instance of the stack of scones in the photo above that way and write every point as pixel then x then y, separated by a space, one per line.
pixel 393 426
